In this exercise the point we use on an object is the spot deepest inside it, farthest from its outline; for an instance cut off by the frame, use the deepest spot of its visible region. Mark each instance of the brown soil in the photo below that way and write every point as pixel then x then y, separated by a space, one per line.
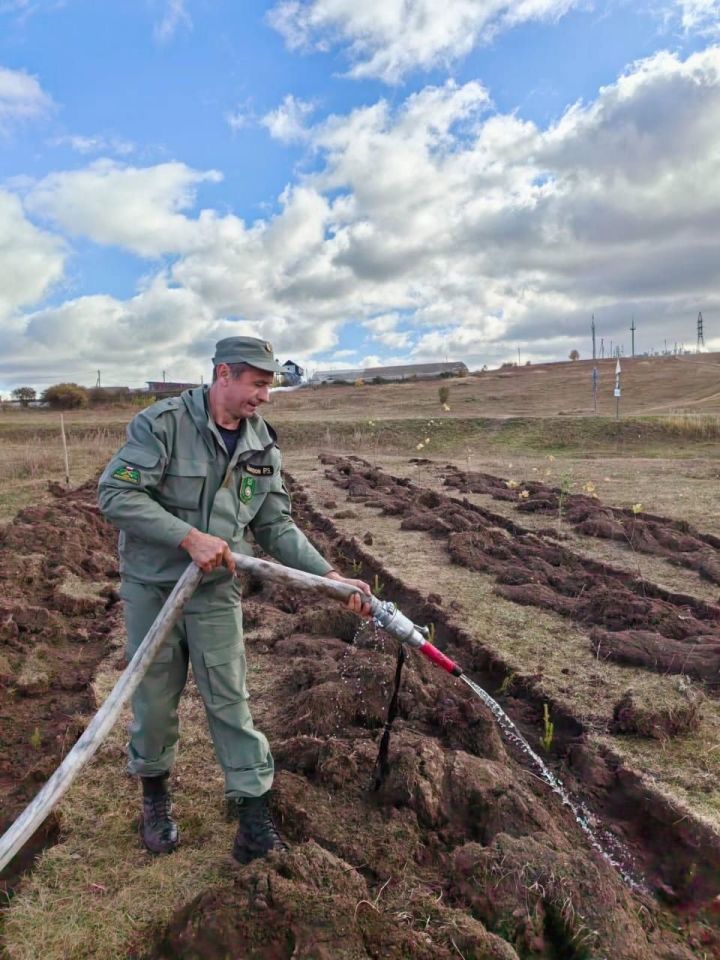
pixel 674 540
pixel 634 620
pixel 57 575
pixel 460 852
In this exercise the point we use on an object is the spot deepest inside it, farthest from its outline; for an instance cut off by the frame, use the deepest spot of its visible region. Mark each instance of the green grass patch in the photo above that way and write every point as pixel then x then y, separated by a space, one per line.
pixel 639 436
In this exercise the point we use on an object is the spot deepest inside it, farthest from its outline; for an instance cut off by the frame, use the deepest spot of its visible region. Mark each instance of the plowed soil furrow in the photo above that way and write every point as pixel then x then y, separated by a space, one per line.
pixel 629 619
pixel 661 838
pixel 57 576
pixel 674 540
pixel 460 852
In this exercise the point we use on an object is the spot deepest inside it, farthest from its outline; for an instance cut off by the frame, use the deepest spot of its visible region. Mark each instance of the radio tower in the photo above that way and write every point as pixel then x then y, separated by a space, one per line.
pixel 700 336
pixel 592 327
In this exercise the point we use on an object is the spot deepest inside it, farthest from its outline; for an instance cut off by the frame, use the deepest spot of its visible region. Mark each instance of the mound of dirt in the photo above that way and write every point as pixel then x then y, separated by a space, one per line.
pixel 632 621
pixel 57 581
pixel 674 540
pixel 309 905
pixel 632 715
pixel 459 851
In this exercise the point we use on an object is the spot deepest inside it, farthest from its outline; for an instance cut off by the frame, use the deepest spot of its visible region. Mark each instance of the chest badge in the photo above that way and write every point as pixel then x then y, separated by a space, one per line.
pixel 263 470
pixel 247 489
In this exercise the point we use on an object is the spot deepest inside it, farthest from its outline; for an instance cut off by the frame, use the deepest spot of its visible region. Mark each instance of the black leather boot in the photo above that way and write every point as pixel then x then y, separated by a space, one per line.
pixel 158 830
pixel 256 835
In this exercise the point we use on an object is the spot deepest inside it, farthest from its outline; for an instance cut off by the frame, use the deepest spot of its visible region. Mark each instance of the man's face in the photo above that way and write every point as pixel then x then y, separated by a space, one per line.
pixel 243 396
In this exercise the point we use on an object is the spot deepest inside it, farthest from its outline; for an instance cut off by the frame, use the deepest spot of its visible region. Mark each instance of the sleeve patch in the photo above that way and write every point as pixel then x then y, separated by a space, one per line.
pixel 128 474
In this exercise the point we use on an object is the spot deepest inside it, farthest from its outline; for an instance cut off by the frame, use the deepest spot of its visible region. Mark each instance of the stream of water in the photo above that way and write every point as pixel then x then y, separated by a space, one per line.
pixel 607 845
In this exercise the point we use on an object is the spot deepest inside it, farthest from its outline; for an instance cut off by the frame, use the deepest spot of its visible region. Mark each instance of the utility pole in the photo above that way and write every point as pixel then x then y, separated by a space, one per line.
pixel 618 371
pixel 592 327
pixel 97 382
pixel 602 348
pixel 163 376
pixel 700 335
pixel 595 378
pixel 518 356
pixel 633 328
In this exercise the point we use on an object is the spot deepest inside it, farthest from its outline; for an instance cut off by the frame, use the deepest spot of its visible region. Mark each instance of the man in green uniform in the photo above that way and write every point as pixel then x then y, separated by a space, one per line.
pixel 196 474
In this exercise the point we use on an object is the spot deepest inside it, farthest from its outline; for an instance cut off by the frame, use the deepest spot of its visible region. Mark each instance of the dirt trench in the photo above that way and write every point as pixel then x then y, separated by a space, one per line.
pixel 629 619
pixel 674 540
pixel 58 574
pixel 460 852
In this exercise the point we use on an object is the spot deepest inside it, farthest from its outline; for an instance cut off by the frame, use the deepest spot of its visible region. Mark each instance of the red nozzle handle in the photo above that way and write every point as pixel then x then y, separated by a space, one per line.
pixel 440 660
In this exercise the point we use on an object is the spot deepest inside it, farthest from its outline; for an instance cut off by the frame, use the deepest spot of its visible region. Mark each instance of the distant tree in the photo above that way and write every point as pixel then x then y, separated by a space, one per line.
pixel 574 355
pixel 66 396
pixel 24 395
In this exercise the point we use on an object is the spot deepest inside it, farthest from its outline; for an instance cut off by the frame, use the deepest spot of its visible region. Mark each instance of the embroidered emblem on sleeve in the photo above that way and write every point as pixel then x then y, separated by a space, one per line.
pixel 247 489
pixel 128 474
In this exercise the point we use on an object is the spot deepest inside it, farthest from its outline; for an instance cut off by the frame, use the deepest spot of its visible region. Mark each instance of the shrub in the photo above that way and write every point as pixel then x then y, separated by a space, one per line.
pixel 443 394
pixel 66 396
pixel 574 354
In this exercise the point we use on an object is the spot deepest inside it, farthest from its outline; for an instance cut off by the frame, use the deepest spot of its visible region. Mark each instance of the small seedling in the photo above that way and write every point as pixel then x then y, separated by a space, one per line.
pixel 548 729
pixel 356 566
pixel 565 488
pixel 431 633
pixel 36 739
pixel 377 586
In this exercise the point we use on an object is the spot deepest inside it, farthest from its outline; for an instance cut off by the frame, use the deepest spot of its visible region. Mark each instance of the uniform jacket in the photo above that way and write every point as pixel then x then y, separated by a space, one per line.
pixel 174 473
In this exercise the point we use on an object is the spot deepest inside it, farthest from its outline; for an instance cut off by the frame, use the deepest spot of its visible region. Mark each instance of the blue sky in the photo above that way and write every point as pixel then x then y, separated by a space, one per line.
pixel 392 182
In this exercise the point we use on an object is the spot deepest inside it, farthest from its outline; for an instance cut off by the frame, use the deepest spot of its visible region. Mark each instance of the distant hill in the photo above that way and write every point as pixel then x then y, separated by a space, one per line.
pixel 650 385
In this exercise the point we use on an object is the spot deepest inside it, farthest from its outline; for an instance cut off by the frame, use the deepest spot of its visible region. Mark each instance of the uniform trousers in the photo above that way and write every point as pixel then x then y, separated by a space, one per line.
pixel 209 637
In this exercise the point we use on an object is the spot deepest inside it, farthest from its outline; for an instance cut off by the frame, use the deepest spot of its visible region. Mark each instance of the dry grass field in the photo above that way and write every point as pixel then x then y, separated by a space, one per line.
pixel 637 742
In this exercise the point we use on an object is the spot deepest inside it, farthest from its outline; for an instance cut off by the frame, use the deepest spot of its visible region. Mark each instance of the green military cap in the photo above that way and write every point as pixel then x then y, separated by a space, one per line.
pixel 258 353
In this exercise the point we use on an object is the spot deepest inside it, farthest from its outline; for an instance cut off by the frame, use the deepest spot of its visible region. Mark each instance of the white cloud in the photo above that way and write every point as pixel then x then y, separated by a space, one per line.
pixel 137 208
pixel 441 226
pixel 389 38
pixel 21 97
pixel 701 16
pixel 31 261
pixel 384 329
pixel 287 122
pixel 95 144
pixel 174 17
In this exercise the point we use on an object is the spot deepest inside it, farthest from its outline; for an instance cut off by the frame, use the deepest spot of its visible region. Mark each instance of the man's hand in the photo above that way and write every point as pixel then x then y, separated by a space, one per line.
pixel 354 603
pixel 208 551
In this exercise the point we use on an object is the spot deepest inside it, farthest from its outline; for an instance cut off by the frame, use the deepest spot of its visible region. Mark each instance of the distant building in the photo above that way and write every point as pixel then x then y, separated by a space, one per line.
pixel 292 373
pixel 167 388
pixel 411 371
pixel 337 376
